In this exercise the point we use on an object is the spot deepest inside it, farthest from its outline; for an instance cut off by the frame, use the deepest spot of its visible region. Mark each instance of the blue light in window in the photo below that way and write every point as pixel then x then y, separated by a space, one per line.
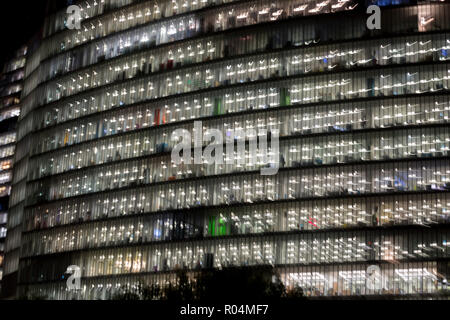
pixel 384 3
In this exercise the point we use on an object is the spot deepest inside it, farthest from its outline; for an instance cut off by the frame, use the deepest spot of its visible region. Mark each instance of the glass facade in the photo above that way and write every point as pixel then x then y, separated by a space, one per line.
pixel 364 148
pixel 11 85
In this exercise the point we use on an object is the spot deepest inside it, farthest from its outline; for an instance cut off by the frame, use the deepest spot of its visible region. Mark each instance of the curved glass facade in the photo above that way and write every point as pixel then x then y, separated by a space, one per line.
pixel 363 120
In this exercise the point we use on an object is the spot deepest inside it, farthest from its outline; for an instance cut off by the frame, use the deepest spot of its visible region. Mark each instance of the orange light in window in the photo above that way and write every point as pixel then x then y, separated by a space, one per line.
pixel 6 166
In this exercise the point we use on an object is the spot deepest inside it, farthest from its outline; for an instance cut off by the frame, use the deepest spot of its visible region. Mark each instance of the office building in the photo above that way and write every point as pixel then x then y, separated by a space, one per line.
pixel 364 147
pixel 11 83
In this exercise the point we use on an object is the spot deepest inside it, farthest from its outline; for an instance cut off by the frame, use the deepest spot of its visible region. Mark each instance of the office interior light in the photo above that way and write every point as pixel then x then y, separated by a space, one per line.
pixel 414 274
pixel 307 277
pixel 426 20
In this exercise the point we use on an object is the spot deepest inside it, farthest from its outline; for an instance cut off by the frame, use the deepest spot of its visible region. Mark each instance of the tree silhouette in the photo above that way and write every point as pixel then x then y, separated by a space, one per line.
pixel 261 283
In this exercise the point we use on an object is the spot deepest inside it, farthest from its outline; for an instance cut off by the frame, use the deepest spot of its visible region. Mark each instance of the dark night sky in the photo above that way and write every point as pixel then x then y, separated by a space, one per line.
pixel 20 20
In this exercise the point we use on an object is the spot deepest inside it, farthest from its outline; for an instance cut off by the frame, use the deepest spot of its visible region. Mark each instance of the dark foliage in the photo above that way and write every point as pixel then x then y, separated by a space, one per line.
pixel 230 284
